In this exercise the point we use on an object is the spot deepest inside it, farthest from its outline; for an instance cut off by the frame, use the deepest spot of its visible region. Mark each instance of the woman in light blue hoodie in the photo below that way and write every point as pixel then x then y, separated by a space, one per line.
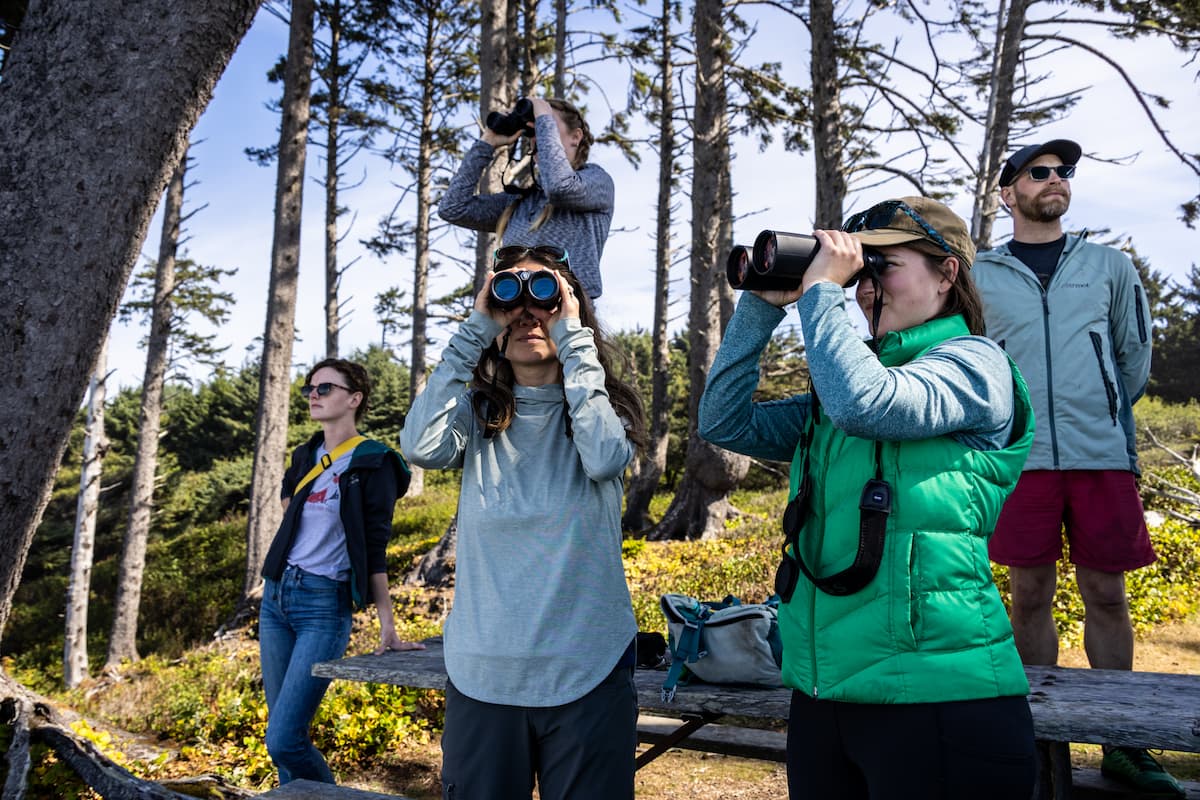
pixel 539 642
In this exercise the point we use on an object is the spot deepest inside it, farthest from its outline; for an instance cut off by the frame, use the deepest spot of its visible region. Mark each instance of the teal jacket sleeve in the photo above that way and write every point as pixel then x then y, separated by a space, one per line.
pixel 1129 327
pixel 728 415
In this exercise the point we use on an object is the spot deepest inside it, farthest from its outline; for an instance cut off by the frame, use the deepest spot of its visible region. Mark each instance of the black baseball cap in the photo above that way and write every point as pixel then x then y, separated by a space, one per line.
pixel 1065 149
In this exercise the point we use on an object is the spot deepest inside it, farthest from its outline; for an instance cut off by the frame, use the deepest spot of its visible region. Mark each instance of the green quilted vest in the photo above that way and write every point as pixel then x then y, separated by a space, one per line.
pixel 930 627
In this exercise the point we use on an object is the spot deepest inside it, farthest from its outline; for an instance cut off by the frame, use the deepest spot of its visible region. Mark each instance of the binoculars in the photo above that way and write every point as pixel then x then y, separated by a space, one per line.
pixel 513 288
pixel 512 122
pixel 778 261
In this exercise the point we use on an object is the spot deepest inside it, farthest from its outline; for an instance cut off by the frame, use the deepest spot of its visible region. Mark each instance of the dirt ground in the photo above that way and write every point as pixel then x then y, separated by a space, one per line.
pixel 685 775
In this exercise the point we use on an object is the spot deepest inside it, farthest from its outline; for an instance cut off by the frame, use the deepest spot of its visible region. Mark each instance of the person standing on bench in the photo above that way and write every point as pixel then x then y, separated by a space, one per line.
pixel 906 682
pixel 328 557
pixel 1075 317
pixel 540 639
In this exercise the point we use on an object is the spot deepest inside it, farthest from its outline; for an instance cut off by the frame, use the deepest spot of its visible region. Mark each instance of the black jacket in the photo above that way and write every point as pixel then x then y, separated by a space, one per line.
pixel 370 486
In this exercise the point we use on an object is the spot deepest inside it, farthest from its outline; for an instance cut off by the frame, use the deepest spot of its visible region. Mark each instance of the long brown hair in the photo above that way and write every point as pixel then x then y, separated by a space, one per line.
pixel 493 376
pixel 574 120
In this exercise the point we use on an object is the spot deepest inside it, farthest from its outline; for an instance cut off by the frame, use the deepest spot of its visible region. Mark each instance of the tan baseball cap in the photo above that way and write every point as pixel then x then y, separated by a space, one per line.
pixel 910 219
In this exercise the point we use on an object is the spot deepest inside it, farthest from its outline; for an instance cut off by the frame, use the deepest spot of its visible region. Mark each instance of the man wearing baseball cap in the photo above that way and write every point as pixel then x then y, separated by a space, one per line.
pixel 1074 316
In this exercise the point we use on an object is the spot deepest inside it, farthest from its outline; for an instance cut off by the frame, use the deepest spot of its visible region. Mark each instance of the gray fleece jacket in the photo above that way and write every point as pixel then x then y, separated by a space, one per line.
pixel 583 204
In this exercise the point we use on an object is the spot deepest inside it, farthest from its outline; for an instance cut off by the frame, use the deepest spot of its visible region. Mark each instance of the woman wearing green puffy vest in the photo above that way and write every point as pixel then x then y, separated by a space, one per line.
pixel 906 680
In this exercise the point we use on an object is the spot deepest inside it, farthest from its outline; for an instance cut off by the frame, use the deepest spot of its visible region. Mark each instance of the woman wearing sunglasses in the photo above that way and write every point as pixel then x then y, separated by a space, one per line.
pixel 539 642
pixel 896 643
pixel 569 200
pixel 327 559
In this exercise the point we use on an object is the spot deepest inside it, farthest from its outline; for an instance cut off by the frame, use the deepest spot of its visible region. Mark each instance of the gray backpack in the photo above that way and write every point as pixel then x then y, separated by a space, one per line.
pixel 725 642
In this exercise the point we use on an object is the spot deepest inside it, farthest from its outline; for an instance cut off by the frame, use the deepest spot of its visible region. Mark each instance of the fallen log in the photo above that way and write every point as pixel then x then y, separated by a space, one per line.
pixel 33 718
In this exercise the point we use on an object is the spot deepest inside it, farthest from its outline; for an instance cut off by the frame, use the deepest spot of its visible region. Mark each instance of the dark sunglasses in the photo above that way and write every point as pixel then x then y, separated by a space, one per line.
pixel 1042 173
pixel 322 389
pixel 881 215
pixel 516 252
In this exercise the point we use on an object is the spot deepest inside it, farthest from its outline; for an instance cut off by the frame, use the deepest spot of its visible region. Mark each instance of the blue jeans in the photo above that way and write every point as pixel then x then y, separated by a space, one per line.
pixel 304 619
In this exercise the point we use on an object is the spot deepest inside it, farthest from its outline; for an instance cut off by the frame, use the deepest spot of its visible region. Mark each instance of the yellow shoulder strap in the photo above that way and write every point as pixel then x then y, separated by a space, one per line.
pixel 327 461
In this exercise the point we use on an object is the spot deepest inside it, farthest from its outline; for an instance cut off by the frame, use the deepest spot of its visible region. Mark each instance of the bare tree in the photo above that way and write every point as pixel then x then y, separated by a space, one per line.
pixel 497 90
pixel 271 421
pixel 648 469
pixel 828 134
pixel 1010 23
pixel 701 503
pixel 122 643
pixel 422 42
pixel 1005 71
pixel 75 206
pixel 75 655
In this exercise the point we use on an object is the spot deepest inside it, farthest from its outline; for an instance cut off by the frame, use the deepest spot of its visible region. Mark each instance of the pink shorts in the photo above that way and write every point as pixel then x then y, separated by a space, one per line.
pixel 1100 510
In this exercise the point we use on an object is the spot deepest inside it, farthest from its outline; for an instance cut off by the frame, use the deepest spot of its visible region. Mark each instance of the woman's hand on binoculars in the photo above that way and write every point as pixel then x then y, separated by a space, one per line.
pixel 568 305
pixel 498 140
pixel 540 106
pixel 504 318
pixel 779 297
pixel 837 261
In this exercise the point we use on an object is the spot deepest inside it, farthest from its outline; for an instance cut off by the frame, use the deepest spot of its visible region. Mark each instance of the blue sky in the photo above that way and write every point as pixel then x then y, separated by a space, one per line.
pixel 1137 197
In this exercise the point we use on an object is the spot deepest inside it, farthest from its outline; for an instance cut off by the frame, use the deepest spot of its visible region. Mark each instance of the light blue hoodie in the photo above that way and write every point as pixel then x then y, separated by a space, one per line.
pixel 541 610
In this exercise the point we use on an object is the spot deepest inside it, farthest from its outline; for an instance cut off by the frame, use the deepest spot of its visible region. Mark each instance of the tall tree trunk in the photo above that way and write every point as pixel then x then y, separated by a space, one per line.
pixel 649 468
pixel 75 206
pixel 333 277
pixel 560 48
pixel 122 644
pixel 827 116
pixel 75 655
pixel 1010 27
pixel 701 504
pixel 420 315
pixel 271 421
pixel 525 46
pixel 497 90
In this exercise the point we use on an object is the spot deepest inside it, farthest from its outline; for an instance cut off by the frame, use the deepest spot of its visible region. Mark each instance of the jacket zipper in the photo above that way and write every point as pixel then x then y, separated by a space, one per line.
pixel 1049 370
pixel 1109 389
pixel 812 605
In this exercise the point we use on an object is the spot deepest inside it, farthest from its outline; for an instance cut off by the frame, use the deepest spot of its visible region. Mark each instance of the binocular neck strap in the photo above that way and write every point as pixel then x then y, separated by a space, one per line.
pixel 872 525
pixel 504 345
pixel 876 312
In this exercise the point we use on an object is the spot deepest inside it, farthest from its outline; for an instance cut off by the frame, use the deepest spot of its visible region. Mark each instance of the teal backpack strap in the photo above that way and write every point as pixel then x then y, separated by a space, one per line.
pixel 687 651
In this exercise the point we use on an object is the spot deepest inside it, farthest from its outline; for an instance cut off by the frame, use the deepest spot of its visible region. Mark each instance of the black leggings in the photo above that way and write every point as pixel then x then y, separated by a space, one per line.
pixel 972 749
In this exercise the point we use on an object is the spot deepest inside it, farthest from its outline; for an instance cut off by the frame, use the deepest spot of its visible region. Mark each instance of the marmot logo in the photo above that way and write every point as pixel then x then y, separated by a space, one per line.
pixel 1076 285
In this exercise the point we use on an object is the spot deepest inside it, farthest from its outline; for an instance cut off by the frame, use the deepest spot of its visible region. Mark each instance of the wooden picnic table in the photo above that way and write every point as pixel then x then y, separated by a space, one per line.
pixel 1108 707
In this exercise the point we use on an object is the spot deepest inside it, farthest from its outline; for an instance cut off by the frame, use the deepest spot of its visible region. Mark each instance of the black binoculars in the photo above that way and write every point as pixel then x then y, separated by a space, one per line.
pixel 513 288
pixel 512 122
pixel 779 259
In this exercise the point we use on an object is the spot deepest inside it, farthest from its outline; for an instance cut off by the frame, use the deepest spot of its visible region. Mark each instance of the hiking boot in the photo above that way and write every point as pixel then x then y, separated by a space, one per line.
pixel 1137 768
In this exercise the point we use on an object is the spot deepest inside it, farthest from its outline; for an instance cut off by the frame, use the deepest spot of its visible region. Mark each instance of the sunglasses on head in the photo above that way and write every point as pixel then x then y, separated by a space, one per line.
pixel 1042 172
pixel 322 389
pixel 516 252
pixel 881 215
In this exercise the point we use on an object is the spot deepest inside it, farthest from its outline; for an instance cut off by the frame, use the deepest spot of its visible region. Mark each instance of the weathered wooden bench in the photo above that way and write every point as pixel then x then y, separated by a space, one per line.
pixel 1107 707
pixel 311 790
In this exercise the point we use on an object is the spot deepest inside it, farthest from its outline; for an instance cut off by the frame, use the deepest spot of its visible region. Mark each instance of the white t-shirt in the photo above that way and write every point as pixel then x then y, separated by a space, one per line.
pixel 320 545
